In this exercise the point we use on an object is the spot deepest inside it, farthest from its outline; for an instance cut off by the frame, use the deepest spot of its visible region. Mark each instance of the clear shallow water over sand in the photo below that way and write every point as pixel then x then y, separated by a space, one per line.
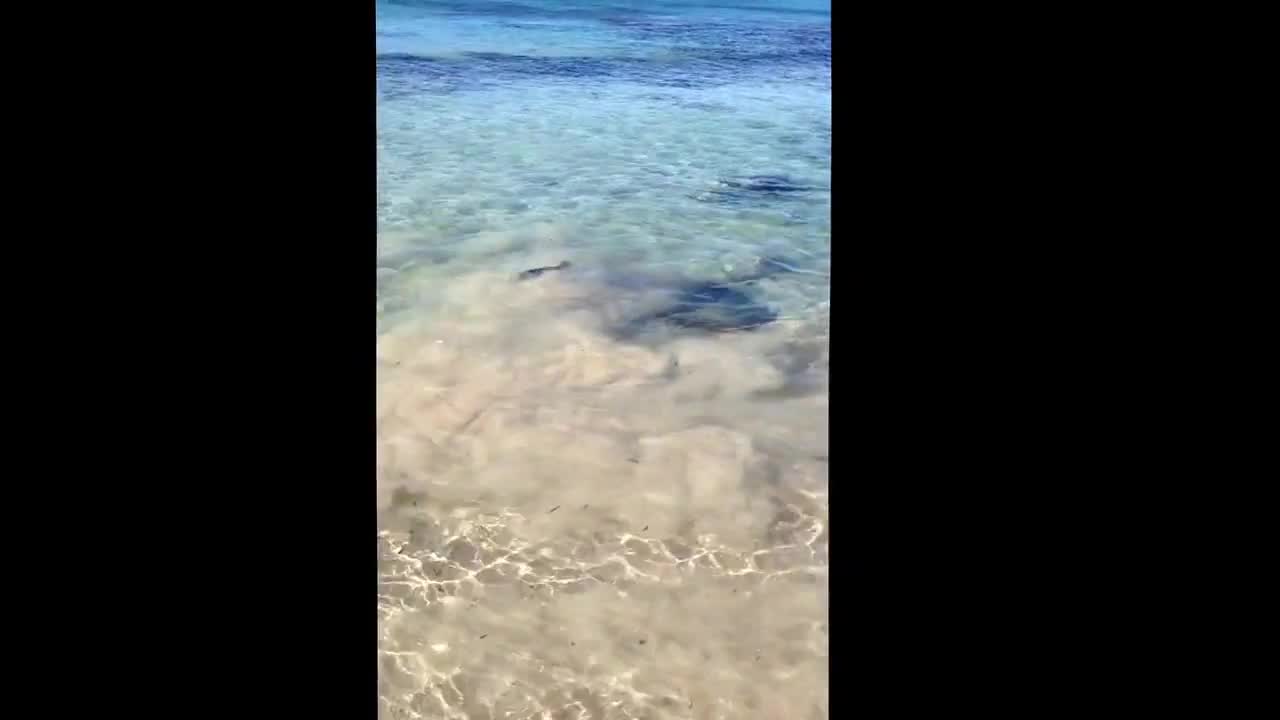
pixel 572 524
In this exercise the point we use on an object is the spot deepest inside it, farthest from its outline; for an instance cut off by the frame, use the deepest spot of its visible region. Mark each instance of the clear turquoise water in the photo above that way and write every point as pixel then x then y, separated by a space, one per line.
pixel 608 121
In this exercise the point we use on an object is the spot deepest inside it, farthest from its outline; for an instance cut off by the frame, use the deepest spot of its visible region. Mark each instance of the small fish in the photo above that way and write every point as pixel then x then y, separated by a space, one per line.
pixel 484 636
pixel 535 272
pixel 553 509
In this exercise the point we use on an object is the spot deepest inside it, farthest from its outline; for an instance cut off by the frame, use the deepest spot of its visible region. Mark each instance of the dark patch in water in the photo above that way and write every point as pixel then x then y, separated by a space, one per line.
pixel 755 187
pixel 710 308
pixel 738 40
pixel 706 306
pixel 400 72
pixel 695 52
pixel 498 8
pixel 766 184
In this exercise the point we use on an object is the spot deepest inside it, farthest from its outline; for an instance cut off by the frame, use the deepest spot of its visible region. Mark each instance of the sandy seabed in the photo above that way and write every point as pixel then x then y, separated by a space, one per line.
pixel 577 527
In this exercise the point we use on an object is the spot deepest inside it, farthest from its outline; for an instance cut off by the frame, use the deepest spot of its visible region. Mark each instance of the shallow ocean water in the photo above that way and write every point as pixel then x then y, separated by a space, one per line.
pixel 574 524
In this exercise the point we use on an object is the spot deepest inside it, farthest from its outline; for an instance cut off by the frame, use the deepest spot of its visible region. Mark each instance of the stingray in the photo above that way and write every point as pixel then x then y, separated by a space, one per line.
pixel 755 188
pixel 772 184
pixel 645 303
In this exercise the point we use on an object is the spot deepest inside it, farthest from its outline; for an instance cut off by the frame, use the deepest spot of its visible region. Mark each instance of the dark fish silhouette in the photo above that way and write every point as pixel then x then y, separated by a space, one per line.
pixel 535 272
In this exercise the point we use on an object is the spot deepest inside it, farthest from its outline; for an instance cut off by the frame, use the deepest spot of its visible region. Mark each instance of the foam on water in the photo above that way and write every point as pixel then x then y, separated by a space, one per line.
pixel 574 524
